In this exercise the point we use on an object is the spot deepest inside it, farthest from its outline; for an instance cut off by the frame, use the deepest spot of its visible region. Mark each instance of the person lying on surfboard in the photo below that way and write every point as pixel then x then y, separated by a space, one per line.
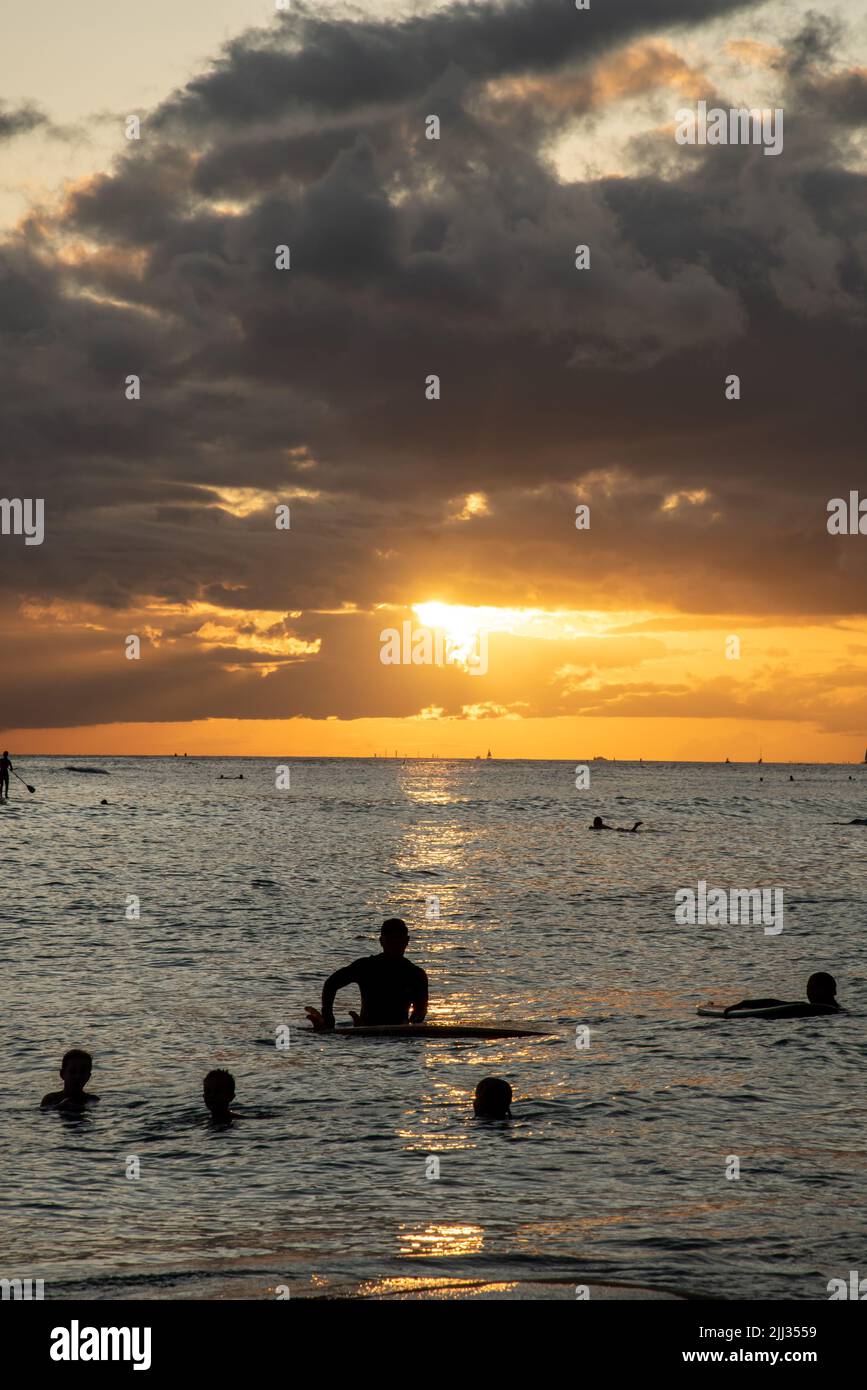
pixel 599 824
pixel 821 999
pixel 393 990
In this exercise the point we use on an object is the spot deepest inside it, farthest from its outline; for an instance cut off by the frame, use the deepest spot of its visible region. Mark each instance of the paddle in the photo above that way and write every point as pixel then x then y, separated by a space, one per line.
pixel 21 780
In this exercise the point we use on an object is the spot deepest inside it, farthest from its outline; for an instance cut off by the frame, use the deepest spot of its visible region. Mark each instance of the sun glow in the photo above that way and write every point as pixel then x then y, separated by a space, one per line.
pixel 462 625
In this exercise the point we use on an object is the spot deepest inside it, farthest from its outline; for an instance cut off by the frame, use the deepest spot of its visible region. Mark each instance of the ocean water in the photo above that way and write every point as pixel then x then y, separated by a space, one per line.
pixel 613 1166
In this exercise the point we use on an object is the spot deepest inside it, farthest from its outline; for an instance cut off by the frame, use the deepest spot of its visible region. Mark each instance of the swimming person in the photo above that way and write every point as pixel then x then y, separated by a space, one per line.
pixel 393 990
pixel 218 1090
pixel 493 1099
pixel 821 999
pixel 75 1070
pixel 599 824
pixel 5 768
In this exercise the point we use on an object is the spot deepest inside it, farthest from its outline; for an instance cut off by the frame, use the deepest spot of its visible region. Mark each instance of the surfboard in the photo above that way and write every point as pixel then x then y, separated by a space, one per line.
pixel 775 1011
pixel 431 1030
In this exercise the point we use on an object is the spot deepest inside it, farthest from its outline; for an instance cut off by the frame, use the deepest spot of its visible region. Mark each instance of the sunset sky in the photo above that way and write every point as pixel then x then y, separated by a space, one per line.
pixel 412 257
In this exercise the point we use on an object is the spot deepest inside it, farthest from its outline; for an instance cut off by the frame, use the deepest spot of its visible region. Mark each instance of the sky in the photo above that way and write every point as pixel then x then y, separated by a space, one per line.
pixel 704 612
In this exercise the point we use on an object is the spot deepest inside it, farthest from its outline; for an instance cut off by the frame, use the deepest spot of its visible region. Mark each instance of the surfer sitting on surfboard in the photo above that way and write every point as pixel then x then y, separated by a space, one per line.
pixel 393 990
pixel 821 997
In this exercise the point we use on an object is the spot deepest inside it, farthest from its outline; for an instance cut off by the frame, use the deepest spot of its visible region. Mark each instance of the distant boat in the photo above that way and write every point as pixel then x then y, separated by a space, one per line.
pixel 490 755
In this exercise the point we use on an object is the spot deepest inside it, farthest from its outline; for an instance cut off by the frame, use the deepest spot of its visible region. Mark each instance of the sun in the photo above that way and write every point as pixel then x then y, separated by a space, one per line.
pixel 463 625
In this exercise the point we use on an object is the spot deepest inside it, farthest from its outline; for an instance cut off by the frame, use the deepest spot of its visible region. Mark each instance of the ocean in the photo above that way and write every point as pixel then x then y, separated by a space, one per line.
pixel 614 1164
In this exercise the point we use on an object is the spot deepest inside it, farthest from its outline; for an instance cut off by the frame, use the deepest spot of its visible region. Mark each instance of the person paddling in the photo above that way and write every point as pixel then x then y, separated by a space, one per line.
pixel 5 769
pixel 599 824
pixel 393 990
pixel 821 999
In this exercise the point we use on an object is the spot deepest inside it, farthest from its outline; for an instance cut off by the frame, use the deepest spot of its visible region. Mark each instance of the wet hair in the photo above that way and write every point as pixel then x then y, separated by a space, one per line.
pixel 76 1054
pixel 493 1097
pixel 821 986
pixel 225 1079
pixel 394 926
pixel 597 820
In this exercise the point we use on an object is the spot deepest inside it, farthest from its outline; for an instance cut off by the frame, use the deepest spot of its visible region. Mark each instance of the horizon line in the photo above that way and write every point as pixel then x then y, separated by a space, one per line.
pixel 456 758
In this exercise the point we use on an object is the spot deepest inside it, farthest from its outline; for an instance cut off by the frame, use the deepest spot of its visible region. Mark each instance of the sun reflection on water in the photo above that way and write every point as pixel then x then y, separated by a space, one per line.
pixel 441 1240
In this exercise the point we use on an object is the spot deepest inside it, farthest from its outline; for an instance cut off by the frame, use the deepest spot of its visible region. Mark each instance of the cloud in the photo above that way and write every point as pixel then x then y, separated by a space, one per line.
pixel 412 257
pixel 19 120
pixel 316 64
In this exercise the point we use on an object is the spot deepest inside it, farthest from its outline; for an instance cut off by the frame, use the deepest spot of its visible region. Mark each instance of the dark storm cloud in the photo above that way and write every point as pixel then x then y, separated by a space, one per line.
pixel 411 257
pixel 334 64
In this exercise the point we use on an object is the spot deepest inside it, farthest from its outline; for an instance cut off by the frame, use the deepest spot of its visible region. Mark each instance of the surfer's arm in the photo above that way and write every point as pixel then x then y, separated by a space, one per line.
pixel 337 981
pixel 419 1003
pixel 755 1004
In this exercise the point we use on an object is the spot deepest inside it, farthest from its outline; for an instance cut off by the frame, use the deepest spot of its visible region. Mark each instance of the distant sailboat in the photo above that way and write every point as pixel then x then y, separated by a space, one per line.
pixel 490 755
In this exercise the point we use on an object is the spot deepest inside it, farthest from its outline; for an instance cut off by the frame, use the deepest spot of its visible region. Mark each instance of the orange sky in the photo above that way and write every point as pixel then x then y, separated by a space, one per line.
pixel 738 706
pixel 302 387
pixel 559 739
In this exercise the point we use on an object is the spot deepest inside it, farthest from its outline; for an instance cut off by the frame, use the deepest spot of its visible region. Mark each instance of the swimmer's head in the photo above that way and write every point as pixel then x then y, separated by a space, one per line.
pixel 218 1089
pixel 394 936
pixel 492 1099
pixel 75 1069
pixel 597 822
pixel 822 988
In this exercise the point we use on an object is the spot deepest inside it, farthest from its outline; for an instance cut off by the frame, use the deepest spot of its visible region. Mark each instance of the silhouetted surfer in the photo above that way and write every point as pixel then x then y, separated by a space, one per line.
pixel 393 990
pixel 599 824
pixel 5 769
pixel 821 999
